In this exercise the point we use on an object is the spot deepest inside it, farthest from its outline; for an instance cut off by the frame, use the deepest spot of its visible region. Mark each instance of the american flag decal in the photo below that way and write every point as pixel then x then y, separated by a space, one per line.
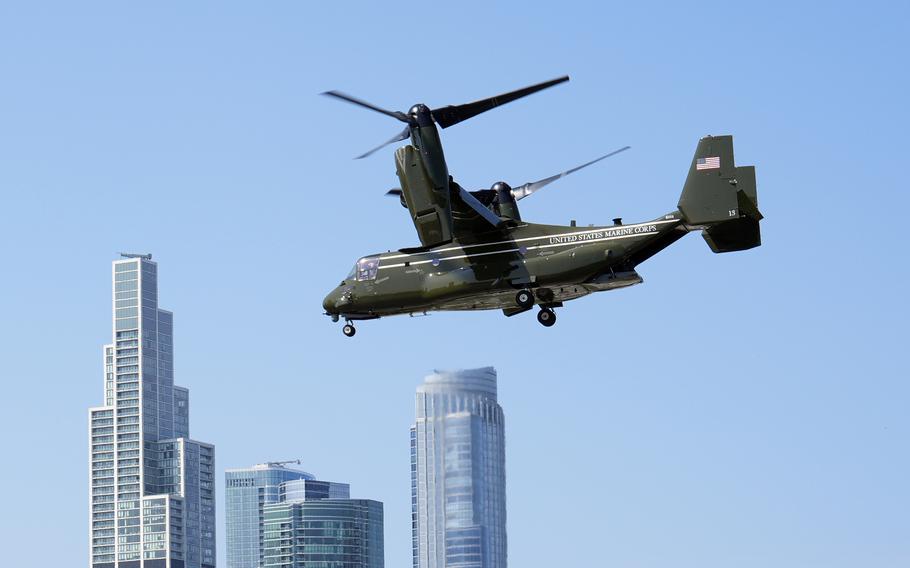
pixel 707 163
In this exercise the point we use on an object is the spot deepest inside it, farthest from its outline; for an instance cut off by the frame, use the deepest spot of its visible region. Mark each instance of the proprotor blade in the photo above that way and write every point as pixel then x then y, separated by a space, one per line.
pixel 353 100
pixel 529 188
pixel 397 138
pixel 447 116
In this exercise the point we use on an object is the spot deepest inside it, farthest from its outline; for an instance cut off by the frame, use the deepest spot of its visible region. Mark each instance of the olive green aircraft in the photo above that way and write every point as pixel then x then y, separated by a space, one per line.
pixel 477 253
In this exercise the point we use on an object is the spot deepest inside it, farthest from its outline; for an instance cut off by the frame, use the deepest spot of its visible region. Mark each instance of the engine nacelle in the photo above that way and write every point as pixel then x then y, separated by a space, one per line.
pixel 505 201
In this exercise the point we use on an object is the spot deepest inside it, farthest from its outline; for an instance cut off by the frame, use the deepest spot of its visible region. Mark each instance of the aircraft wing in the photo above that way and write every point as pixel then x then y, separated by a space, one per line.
pixel 470 217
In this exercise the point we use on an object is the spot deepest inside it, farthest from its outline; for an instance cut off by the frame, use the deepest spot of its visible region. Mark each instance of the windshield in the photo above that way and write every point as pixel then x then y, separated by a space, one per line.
pixel 366 268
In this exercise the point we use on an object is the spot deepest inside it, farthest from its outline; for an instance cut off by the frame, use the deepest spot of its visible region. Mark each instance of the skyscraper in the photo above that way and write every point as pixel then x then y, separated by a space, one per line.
pixel 152 493
pixel 458 480
pixel 283 518
pixel 247 491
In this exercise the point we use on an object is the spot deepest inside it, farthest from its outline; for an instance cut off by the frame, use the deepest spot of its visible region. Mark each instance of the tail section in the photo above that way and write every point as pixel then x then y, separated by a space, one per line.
pixel 720 198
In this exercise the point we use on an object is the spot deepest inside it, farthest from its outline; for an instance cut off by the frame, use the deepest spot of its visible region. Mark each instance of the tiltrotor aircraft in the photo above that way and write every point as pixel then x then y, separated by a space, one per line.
pixel 477 253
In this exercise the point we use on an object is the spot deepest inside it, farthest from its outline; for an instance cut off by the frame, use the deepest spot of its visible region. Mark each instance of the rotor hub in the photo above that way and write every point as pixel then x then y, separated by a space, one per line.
pixel 421 114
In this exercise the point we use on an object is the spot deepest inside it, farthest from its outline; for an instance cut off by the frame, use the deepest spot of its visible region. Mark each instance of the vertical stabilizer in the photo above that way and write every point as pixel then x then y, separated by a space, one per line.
pixel 721 198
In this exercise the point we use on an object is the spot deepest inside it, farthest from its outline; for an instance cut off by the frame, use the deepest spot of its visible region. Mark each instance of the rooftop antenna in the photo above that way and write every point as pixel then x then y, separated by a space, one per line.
pixel 134 255
pixel 282 463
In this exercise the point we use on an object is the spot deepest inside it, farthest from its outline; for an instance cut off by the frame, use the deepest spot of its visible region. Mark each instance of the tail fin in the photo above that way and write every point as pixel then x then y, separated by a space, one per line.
pixel 720 198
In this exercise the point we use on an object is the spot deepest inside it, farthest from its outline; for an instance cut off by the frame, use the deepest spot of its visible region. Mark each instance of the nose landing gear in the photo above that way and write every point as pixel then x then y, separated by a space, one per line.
pixel 349 330
pixel 546 317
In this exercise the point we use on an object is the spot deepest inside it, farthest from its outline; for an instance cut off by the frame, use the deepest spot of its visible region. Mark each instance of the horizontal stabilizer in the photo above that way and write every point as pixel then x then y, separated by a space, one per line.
pixel 741 234
pixel 744 232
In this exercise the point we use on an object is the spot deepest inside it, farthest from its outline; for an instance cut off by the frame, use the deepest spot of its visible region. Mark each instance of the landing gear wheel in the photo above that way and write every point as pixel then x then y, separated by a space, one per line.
pixel 348 330
pixel 546 317
pixel 524 299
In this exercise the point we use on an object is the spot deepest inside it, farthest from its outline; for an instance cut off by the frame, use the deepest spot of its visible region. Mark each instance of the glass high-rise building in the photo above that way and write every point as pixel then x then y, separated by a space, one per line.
pixel 307 530
pixel 283 517
pixel 247 491
pixel 279 517
pixel 458 479
pixel 152 493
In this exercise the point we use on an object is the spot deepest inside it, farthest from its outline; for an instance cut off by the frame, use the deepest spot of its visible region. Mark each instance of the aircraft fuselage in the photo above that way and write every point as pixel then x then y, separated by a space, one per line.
pixel 556 263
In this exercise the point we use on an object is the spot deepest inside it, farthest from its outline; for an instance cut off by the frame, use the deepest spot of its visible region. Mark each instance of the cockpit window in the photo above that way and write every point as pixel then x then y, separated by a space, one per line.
pixel 366 268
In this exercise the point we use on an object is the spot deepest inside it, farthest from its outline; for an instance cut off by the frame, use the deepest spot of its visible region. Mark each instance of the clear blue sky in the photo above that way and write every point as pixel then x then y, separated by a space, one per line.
pixel 743 410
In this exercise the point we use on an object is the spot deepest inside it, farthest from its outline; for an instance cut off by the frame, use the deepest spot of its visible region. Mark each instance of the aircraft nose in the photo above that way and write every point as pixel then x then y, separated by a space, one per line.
pixel 335 300
pixel 330 300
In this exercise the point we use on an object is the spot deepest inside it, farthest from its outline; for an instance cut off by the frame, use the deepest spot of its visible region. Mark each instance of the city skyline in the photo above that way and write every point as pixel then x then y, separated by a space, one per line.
pixel 152 499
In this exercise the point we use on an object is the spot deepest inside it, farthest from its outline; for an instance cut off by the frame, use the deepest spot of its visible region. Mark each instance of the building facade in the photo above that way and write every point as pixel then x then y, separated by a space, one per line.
pixel 282 517
pixel 330 533
pixel 458 482
pixel 247 491
pixel 152 491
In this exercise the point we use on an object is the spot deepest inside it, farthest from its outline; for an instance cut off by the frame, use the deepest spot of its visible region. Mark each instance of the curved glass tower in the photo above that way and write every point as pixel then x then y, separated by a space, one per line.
pixel 458 479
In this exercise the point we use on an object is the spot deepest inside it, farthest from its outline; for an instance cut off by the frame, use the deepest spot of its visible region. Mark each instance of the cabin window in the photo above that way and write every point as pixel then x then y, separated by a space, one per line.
pixel 367 267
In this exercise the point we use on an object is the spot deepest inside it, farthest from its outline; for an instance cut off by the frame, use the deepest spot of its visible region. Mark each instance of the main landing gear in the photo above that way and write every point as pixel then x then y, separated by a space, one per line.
pixel 546 317
pixel 524 299
pixel 349 330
